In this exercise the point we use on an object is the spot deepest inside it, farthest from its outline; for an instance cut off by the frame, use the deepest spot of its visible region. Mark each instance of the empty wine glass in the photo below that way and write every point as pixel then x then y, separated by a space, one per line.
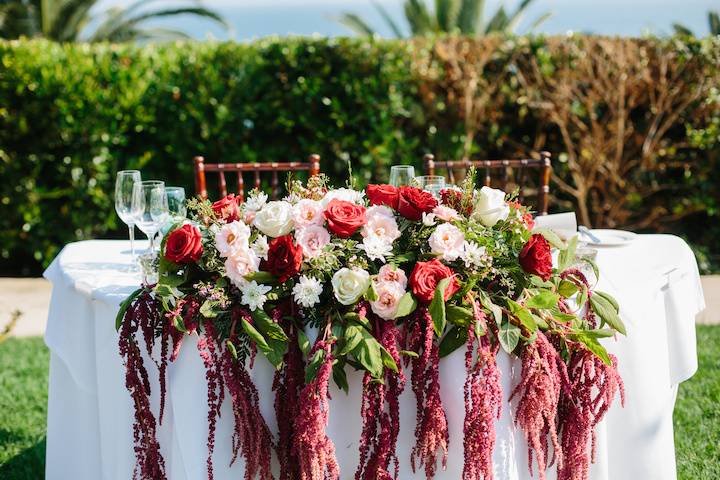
pixel 126 209
pixel 402 175
pixel 426 182
pixel 176 203
pixel 153 207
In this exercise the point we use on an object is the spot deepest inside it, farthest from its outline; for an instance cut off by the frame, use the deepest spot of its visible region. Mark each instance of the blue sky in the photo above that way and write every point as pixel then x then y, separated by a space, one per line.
pixel 259 18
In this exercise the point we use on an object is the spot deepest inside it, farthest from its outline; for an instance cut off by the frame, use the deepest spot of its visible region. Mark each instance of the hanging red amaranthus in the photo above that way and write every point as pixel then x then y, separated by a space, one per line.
pixel 381 411
pixel 431 429
pixel 593 386
pixel 287 384
pixel 207 347
pixel 251 435
pixel 543 377
pixel 483 403
pixel 312 447
pixel 142 316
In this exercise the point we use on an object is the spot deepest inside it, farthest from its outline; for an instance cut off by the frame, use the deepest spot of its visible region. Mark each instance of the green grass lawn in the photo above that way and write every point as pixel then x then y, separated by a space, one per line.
pixel 23 403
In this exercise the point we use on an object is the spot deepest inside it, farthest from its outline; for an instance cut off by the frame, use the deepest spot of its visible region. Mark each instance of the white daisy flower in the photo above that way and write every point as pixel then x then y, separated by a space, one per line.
pixel 472 254
pixel 253 295
pixel 376 248
pixel 260 247
pixel 307 291
pixel 255 201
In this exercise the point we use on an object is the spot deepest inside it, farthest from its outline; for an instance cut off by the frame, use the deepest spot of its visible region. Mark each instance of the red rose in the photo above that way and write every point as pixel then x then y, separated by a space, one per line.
pixel 184 245
pixel 383 195
pixel 535 257
pixel 413 202
pixel 344 218
pixel 284 258
pixel 425 278
pixel 227 208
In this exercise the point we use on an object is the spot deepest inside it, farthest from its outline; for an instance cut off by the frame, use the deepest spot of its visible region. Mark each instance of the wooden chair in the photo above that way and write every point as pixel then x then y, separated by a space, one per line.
pixel 312 166
pixel 501 170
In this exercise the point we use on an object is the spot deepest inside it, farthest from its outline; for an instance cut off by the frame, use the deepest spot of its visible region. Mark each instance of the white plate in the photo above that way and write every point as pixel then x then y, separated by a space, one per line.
pixel 608 237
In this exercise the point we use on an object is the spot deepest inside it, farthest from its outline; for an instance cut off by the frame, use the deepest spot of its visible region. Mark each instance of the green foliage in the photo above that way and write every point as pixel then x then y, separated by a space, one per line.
pixel 72 115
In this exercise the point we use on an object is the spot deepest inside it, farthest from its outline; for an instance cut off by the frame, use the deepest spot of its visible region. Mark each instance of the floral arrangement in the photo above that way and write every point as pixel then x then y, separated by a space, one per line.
pixel 388 281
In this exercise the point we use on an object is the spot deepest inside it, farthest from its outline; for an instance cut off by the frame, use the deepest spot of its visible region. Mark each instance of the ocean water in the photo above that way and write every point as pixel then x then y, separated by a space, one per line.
pixel 260 18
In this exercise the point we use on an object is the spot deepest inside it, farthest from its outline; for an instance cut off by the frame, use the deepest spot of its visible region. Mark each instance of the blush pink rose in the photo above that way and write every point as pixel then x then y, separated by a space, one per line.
pixel 312 239
pixel 392 273
pixel 388 299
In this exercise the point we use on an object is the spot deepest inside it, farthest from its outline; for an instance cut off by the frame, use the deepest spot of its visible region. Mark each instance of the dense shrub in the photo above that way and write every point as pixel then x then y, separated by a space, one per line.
pixel 635 124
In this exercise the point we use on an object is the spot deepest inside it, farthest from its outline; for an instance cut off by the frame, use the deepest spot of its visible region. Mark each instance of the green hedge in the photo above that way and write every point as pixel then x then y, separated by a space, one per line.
pixel 72 115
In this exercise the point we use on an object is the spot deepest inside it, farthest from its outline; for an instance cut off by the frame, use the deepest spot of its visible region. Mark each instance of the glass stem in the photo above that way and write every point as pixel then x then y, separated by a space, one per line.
pixel 152 242
pixel 131 232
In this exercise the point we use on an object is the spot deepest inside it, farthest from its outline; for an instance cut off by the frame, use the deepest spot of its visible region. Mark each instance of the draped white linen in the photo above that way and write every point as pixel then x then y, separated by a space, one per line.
pixel 90 414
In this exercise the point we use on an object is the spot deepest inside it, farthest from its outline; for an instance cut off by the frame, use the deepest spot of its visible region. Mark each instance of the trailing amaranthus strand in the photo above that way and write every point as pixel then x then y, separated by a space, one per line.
pixel 251 435
pixel 287 384
pixel 543 377
pixel 578 278
pixel 381 412
pixel 143 315
pixel 593 386
pixel 207 347
pixel 312 447
pixel 431 429
pixel 483 404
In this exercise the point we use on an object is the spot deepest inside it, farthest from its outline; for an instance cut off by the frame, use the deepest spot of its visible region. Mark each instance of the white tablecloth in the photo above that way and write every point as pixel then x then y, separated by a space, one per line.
pixel 89 433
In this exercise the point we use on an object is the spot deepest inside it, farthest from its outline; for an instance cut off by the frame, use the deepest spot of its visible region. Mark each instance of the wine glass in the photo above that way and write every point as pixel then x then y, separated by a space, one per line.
pixel 153 208
pixel 176 203
pixel 402 175
pixel 430 182
pixel 126 209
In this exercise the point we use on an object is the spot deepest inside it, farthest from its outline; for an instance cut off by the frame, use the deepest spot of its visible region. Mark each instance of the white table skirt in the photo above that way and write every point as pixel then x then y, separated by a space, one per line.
pixel 90 414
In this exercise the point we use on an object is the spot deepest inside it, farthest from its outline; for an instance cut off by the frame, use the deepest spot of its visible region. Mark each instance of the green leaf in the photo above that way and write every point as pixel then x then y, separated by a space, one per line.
pixel 406 305
pixel 409 353
pixel 370 293
pixel 269 329
pixel 262 277
pixel 523 314
pixel 207 309
pixel 368 353
pixel 600 333
pixel 232 349
pixel 353 336
pixel 543 299
pixel 593 345
pixel 388 360
pixel 254 335
pixel 314 365
pixel 567 288
pixel 124 305
pixel 607 312
pixel 539 282
pixel 455 338
pixel 494 309
pixel 567 255
pixel 268 341
pixel 609 298
pixel 509 336
pixel 437 306
pixel 340 377
pixel 552 238
pixel 459 315
pixel 303 342
pixel 179 323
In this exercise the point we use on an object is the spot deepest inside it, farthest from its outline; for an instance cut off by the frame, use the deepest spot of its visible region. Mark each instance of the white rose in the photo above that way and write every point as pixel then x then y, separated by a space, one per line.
pixel 275 219
pixel 347 194
pixel 490 206
pixel 447 241
pixel 349 285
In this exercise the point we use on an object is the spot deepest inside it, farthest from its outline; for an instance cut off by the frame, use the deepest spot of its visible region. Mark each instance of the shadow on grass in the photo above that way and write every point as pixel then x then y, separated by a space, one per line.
pixel 29 464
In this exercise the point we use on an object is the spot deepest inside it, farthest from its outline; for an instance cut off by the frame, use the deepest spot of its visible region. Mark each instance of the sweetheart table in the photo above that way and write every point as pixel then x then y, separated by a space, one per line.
pixel 89 433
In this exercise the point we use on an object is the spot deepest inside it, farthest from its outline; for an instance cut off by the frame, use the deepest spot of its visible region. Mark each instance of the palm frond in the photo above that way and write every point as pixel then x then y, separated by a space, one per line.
pixel 498 22
pixel 470 16
pixel 419 18
pixel 682 30
pixel 714 20
pixel 388 19
pixel 446 14
pixel 64 24
pixel 517 15
pixel 539 21
pixel 356 24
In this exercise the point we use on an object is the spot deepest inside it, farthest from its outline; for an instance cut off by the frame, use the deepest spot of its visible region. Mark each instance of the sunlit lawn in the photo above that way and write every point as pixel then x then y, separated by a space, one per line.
pixel 23 406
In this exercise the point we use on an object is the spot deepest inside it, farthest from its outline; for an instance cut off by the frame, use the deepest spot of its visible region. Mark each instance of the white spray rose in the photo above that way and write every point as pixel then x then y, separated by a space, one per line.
pixel 349 285
pixel 275 219
pixel 447 241
pixel 490 206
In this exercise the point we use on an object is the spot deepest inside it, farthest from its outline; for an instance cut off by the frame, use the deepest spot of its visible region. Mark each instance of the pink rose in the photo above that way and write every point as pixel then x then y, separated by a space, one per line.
pixel 239 264
pixel 381 225
pixel 312 239
pixel 446 213
pixel 447 241
pixel 308 212
pixel 388 298
pixel 392 273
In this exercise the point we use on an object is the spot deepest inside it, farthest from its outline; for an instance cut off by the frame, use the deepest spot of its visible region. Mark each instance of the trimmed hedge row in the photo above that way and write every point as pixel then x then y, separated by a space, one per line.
pixel 72 115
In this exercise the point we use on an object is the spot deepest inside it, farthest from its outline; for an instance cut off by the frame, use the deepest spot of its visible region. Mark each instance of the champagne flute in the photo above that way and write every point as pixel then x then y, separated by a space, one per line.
pixel 153 207
pixel 126 209
pixel 402 175
pixel 176 203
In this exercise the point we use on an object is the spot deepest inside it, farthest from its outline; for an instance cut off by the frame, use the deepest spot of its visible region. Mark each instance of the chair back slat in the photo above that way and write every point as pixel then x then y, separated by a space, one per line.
pixel 312 166
pixel 507 175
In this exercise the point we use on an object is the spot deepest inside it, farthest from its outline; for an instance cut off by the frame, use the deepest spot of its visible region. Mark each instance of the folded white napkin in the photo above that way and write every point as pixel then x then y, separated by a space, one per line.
pixel 563 224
